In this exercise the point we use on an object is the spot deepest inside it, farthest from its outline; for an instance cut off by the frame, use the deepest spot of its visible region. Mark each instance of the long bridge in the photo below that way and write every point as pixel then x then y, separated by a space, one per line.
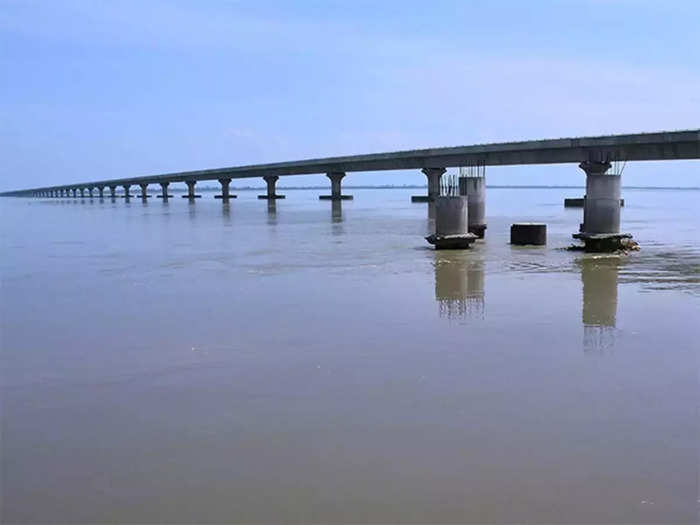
pixel 591 153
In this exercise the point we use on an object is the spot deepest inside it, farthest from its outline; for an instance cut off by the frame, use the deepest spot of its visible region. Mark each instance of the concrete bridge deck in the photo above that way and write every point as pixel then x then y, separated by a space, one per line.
pixel 665 145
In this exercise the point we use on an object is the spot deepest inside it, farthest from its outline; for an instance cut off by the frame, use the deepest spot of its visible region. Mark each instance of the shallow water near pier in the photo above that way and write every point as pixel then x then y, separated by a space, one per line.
pixel 308 361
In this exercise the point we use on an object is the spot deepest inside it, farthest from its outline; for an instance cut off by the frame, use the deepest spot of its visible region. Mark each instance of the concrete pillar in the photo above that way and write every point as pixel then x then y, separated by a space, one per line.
pixel 225 194
pixel 601 210
pixel 601 207
pixel 190 190
pixel 101 191
pixel 144 189
pixel 271 181
pixel 336 195
pixel 475 189
pixel 75 193
pixel 90 191
pixel 113 192
pixel 164 191
pixel 126 187
pixel 451 223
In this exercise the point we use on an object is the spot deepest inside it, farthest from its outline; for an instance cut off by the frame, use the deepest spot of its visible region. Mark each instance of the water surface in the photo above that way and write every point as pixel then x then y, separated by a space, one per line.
pixel 311 362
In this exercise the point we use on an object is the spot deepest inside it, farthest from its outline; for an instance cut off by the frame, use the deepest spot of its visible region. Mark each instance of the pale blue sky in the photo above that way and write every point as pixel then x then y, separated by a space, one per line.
pixel 103 89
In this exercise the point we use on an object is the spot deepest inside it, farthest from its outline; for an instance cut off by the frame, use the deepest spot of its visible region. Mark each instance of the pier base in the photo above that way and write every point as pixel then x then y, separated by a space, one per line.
pixel 421 198
pixel 335 197
pixel 451 242
pixel 606 242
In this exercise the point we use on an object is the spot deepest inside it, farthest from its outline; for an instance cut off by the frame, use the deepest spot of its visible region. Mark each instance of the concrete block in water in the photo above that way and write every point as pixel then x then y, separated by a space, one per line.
pixel 573 203
pixel 271 197
pixel 421 198
pixel 531 233
pixel 578 202
pixel 230 196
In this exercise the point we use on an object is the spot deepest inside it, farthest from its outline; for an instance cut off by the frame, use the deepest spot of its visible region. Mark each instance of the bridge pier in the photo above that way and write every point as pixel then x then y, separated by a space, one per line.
pixel 271 181
pixel 144 190
pixel 434 175
pixel 82 192
pixel 600 230
pixel 113 192
pixel 101 191
pixel 75 192
pixel 126 187
pixel 225 194
pixel 474 187
pixel 451 223
pixel 190 190
pixel 336 194
pixel 164 191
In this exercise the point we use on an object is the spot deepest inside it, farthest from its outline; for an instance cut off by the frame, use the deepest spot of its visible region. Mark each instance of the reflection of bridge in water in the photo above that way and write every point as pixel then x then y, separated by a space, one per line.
pixel 459 285
pixel 599 277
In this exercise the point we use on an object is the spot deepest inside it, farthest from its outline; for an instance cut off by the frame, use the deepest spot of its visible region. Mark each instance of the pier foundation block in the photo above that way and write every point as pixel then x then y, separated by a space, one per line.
pixel 528 233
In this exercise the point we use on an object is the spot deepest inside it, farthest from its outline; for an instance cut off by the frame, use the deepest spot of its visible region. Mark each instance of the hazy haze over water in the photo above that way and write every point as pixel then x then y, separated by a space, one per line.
pixel 317 363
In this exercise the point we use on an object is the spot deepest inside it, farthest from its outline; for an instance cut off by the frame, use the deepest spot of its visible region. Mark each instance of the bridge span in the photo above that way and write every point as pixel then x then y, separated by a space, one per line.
pixel 593 152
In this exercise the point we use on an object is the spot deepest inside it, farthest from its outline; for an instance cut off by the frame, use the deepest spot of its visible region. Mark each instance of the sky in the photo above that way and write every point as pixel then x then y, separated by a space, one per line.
pixel 106 89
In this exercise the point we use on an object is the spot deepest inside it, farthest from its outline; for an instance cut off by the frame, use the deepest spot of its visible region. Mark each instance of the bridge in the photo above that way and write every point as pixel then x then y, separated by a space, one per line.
pixel 591 153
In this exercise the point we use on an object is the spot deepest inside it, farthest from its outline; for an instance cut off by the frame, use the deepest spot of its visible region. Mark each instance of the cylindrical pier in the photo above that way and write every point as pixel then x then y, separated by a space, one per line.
pixel 474 187
pixel 600 230
pixel 601 207
pixel 451 223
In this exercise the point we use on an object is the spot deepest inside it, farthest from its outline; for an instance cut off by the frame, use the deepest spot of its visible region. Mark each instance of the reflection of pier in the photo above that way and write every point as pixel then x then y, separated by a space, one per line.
pixel 599 276
pixel 459 285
